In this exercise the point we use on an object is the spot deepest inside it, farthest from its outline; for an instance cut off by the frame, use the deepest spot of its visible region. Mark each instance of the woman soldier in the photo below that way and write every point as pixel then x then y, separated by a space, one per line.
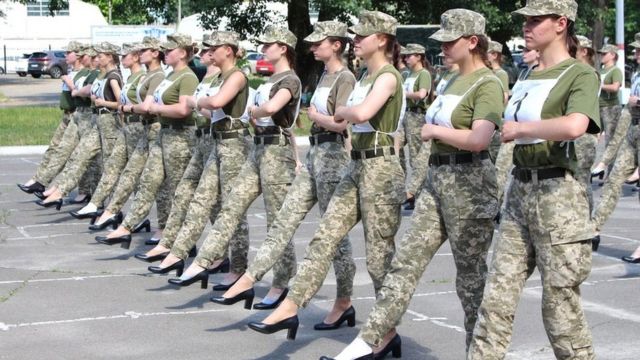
pixel 460 123
pixel 225 102
pixel 128 138
pixel 626 161
pixel 105 94
pixel 372 187
pixel 152 58
pixel 171 154
pixel 610 108
pixel 269 169
pixel 326 162
pixel 417 88
pixel 545 222
pixel 495 58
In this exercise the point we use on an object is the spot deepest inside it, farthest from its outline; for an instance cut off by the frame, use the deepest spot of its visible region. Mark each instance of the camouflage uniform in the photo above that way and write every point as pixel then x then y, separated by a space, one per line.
pixel 545 221
pixel 610 107
pixel 586 153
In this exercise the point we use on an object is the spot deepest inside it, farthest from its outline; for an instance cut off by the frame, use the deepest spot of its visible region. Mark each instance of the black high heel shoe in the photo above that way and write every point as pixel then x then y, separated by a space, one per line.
pixel 223 287
pixel 152 242
pixel 635 182
pixel 599 175
pixel 40 195
pixel 178 266
pixel 595 243
pixel 289 324
pixel 113 221
pixel 394 347
pixel 146 225
pixel 349 316
pixel 91 215
pixel 630 259
pixel 222 268
pixel 263 306
pixel 86 199
pixel 124 240
pixel 56 203
pixel 246 295
pixel 36 186
pixel 202 276
pixel 364 357
pixel 410 203
pixel 153 258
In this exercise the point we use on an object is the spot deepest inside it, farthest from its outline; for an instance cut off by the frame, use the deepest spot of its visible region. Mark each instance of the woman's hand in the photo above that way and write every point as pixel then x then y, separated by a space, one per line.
pixel 154 109
pixel 99 102
pixel 192 102
pixel 633 100
pixel 311 112
pixel 338 116
pixel 510 131
pixel 428 132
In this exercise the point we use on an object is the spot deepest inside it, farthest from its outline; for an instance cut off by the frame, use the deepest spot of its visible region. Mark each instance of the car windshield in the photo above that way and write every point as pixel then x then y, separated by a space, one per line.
pixel 38 55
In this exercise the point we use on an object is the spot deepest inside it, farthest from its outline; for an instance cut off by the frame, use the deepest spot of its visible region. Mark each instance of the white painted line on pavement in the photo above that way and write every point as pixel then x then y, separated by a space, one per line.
pixel 75 278
pixel 38 237
pixel 126 315
pixel 621 238
pixel 436 321
pixel 22 231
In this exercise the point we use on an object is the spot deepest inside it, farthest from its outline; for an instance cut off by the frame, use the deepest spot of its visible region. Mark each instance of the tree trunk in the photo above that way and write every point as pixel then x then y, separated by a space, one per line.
pixel 598 27
pixel 300 24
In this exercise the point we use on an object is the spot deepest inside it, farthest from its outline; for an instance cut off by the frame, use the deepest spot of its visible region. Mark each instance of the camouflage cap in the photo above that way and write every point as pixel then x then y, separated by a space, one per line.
pixel 106 47
pixel 73 46
pixel 374 22
pixel 456 23
pixel 177 40
pixel 87 50
pixel 412 49
pixel 129 48
pixel 608 48
pixel 568 8
pixel 218 38
pixel 495 46
pixel 152 43
pixel 584 41
pixel 325 29
pixel 273 34
pixel 636 42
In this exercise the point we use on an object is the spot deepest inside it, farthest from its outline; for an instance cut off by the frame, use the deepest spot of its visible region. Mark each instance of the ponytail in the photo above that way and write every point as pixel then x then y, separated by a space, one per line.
pixel 481 49
pixel 346 44
pixel 572 40
pixel 392 50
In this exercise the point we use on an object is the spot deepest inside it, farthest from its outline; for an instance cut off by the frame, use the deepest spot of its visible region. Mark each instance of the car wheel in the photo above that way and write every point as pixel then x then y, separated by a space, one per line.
pixel 55 72
pixel 246 70
pixel 37 76
pixel 22 74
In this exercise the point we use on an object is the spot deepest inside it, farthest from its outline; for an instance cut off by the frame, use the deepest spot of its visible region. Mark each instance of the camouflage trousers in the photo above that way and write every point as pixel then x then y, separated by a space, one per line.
pixel 412 129
pixel 458 203
pixel 168 158
pixel 59 150
pixel 216 183
pixel 130 176
pixel 586 153
pixel 625 164
pixel 371 190
pixel 609 116
pixel 504 164
pixel 269 170
pixel 618 136
pixel 419 169
pixel 315 183
pixel 99 139
pixel 494 146
pixel 544 225
pixel 122 151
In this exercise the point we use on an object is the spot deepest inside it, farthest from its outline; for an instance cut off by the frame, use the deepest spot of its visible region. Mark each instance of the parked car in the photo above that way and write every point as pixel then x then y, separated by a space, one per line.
pixel 252 58
pixel 22 66
pixel 51 62
pixel 264 67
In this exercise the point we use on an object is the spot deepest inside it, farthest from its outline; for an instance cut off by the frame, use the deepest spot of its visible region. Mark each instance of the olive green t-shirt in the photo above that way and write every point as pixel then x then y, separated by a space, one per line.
pixel 444 80
pixel 387 118
pixel 234 108
pixel 484 100
pixel 504 79
pixel 66 100
pixel 341 83
pixel 286 116
pixel 423 81
pixel 147 85
pixel 91 76
pixel 183 83
pixel 133 80
pixel 610 75
pixel 205 84
pixel 575 92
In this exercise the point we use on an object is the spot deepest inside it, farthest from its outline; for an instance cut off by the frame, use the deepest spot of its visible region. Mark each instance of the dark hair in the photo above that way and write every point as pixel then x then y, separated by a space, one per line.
pixel 498 57
pixel 572 39
pixel 590 55
pixel 116 59
pixel 190 50
pixel 290 55
pixel 344 42
pixel 481 49
pixel 393 49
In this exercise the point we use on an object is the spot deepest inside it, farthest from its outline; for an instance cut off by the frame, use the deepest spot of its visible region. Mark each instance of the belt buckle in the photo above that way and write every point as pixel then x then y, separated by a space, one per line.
pixel 534 176
pixel 452 159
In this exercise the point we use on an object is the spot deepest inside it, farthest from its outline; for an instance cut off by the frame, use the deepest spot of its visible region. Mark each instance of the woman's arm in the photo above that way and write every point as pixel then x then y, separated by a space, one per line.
pixel 563 128
pixel 176 111
pixel 277 102
pixel 475 140
pixel 230 88
pixel 115 87
pixel 384 87
pixel 611 88
pixel 326 121
pixel 417 95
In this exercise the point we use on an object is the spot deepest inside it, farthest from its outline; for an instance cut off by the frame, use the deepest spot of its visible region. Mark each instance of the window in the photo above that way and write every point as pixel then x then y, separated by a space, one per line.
pixel 41 8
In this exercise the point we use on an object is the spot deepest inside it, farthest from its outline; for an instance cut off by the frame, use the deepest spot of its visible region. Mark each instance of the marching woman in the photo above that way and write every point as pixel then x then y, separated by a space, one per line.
pixel 327 160
pixel 545 219
pixel 459 197
pixel 269 169
pixel 105 94
pixel 495 58
pixel 225 102
pixel 151 57
pixel 171 153
pixel 372 187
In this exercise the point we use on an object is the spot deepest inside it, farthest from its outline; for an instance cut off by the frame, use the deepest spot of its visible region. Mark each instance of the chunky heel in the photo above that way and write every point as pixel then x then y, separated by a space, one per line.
pixel 246 295
pixel 351 321
pixel 396 352
pixel 179 271
pixel 125 244
pixel 93 220
pixel 203 282
pixel 248 302
pixel 291 333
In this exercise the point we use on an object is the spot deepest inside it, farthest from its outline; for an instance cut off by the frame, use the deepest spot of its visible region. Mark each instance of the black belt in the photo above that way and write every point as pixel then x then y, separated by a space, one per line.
pixel 635 121
pixel 133 118
pixel 457 158
pixel 203 131
pixel 270 140
pixel 233 134
pixel 102 110
pixel 368 154
pixel 528 175
pixel 320 138
pixel 176 126
pixel 416 110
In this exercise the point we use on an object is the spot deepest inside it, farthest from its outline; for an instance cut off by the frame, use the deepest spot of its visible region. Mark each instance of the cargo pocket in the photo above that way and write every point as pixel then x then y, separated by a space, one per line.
pixel 475 191
pixel 570 263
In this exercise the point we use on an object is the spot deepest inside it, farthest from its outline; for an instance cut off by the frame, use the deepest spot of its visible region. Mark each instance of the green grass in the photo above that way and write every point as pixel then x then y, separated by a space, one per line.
pixel 305 124
pixel 28 125
pixel 3 98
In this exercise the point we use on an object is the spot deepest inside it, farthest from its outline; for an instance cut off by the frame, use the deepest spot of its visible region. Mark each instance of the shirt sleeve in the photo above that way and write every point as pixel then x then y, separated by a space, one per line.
pixel 343 89
pixel 153 83
pixel 291 83
pixel 616 76
pixel 424 81
pixel 188 85
pixel 504 79
pixel 489 103
pixel 583 99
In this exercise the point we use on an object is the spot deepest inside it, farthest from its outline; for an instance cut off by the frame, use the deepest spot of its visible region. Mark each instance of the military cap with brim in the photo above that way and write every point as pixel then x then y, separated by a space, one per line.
pixel 636 42
pixel 219 38
pixel 456 23
pixel 495 46
pixel 87 50
pixel 325 29
pixel 73 46
pixel 273 34
pixel 568 8
pixel 608 48
pixel 412 49
pixel 106 47
pixel 129 48
pixel 177 40
pixel 152 43
pixel 584 42
pixel 374 22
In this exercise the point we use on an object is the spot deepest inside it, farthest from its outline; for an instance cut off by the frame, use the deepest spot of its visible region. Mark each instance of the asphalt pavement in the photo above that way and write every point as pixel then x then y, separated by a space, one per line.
pixel 63 296
pixel 29 91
